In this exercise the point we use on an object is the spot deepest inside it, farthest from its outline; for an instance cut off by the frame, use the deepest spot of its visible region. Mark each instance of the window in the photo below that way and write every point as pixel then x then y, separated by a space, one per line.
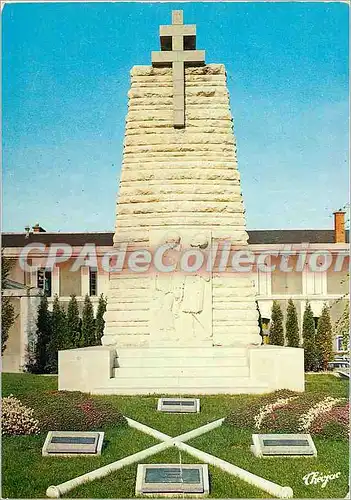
pixel 284 282
pixel 44 281
pixel 92 281
pixel 339 343
pixel 70 281
pixel 316 322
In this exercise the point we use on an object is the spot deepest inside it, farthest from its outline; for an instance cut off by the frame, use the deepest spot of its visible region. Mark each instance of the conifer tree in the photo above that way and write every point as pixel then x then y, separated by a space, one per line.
pixel 7 309
pixel 276 331
pixel 99 321
pixel 88 323
pixel 342 326
pixel 43 338
pixel 73 324
pixel 58 335
pixel 324 339
pixel 292 332
pixel 309 339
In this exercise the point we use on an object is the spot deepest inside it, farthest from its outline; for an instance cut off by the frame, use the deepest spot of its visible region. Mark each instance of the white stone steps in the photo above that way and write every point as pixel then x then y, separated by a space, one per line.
pixel 187 381
pixel 181 372
pixel 181 352
pixel 221 385
pixel 161 362
pixel 176 391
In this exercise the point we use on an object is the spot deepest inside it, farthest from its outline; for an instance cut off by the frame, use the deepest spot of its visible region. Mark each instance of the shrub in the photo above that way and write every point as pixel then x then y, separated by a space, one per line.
pixel 73 411
pixel 308 335
pixel 38 362
pixel 88 323
pixel 292 326
pixel 73 324
pixel 7 309
pixel 276 331
pixel 58 336
pixel 17 418
pixel 342 326
pixel 99 320
pixel 324 339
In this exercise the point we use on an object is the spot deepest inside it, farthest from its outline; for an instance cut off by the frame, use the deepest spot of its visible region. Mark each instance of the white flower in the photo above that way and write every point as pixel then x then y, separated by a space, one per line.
pixel 269 408
pixel 17 418
pixel 323 406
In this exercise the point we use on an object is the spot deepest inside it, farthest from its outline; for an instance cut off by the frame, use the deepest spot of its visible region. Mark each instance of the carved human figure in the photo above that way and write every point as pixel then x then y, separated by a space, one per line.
pixel 178 312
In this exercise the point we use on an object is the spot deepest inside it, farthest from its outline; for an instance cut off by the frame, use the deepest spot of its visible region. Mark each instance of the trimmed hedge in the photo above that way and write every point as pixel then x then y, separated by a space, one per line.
pixel 73 411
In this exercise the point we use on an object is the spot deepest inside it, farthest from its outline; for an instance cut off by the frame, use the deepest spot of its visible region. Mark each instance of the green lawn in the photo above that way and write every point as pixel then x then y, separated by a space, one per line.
pixel 26 474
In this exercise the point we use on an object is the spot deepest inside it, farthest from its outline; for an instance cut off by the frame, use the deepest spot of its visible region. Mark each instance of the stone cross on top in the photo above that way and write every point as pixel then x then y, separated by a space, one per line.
pixel 178 44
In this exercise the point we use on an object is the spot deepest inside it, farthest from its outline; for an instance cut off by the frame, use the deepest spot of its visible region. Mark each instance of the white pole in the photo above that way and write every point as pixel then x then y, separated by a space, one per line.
pixel 200 430
pixel 147 430
pixel 61 489
pixel 274 489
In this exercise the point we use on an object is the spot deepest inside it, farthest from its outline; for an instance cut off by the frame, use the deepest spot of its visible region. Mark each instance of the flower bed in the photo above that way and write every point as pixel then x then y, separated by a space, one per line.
pixel 294 413
pixel 324 406
pixel 246 413
pixel 74 411
pixel 333 424
pixel 17 419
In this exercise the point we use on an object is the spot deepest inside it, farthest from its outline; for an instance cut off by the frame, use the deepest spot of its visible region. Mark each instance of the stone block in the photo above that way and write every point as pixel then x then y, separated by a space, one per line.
pixel 71 443
pixel 290 445
pixel 279 367
pixel 178 405
pixel 171 479
pixel 75 367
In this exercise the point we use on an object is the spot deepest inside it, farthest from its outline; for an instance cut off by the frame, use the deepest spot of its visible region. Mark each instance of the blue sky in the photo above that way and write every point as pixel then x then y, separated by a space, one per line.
pixel 65 83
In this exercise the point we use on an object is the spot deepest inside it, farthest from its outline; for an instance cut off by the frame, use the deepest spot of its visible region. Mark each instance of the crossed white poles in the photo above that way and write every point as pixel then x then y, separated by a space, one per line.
pixel 167 442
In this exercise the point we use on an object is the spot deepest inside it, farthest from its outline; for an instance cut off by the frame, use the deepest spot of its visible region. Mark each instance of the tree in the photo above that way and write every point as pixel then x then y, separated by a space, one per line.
pixel 292 331
pixel 7 309
pixel 276 331
pixel 58 338
pixel 342 326
pixel 73 324
pixel 324 339
pixel 309 339
pixel 43 337
pixel 99 321
pixel 88 323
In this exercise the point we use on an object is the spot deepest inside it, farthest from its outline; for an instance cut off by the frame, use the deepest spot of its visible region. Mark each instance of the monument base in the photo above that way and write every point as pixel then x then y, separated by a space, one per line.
pixel 181 370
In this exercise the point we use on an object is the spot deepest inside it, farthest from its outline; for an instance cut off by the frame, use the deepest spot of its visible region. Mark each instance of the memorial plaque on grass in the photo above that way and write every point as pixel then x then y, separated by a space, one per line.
pixel 70 443
pixel 283 444
pixel 178 405
pixel 168 479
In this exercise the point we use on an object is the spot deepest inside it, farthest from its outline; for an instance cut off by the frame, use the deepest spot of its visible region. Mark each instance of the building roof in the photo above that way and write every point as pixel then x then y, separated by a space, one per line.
pixel 256 237
pixel 292 236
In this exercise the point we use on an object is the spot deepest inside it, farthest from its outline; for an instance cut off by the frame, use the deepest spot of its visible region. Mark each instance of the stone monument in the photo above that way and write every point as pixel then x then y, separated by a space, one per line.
pixel 176 332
